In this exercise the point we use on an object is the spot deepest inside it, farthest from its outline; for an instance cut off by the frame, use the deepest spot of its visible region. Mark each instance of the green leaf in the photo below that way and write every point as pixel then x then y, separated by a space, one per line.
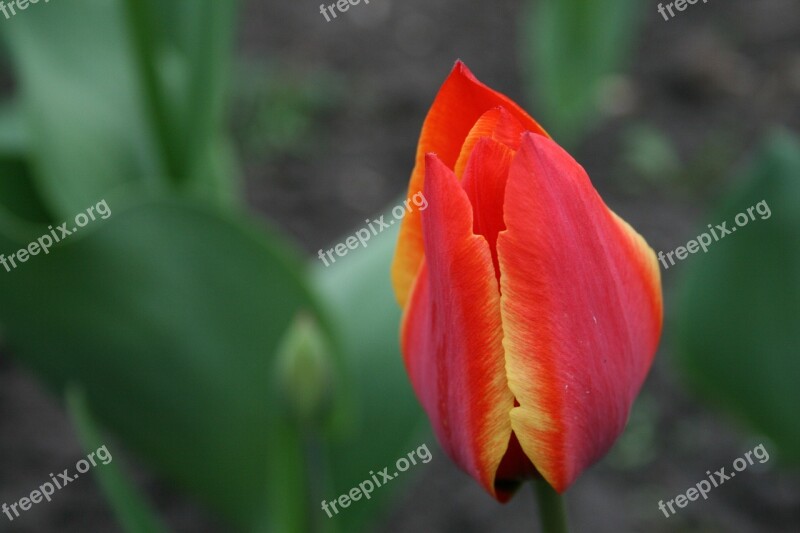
pixel 21 208
pixel 133 512
pixel 14 134
pixel 207 91
pixel 183 51
pixel 21 205
pixel 388 421
pixel 169 315
pixel 740 301
pixel 79 90
pixel 570 47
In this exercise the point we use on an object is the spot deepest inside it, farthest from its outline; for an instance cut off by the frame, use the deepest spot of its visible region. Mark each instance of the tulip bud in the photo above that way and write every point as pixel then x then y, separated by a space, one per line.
pixel 531 312
pixel 303 370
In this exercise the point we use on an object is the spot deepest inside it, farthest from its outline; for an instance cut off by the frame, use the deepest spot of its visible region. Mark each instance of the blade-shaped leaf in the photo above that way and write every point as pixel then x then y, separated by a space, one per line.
pixel 14 134
pixel 79 90
pixel 740 301
pixel 133 513
pixel 169 315
pixel 21 205
pixel 569 48
pixel 183 52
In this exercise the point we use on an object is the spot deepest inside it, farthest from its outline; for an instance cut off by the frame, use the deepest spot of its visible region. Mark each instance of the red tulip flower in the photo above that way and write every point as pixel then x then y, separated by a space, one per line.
pixel 532 312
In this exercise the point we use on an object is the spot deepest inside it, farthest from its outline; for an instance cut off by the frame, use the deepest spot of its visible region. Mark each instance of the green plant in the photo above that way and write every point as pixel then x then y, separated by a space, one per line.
pixel 165 323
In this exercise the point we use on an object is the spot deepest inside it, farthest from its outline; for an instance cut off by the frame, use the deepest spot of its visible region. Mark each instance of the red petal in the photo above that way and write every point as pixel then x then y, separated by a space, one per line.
pixel 460 103
pixel 485 184
pixel 581 308
pixel 452 334
pixel 497 124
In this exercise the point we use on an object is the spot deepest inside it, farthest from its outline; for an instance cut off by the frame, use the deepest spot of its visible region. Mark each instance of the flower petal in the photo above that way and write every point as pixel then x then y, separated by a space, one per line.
pixel 497 124
pixel 581 308
pixel 485 183
pixel 459 104
pixel 452 334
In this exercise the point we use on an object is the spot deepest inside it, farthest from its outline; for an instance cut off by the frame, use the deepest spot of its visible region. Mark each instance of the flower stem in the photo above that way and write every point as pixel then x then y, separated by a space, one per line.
pixel 551 508
pixel 142 28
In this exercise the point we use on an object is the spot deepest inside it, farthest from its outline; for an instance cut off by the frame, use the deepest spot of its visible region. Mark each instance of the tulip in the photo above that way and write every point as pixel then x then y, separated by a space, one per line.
pixel 532 312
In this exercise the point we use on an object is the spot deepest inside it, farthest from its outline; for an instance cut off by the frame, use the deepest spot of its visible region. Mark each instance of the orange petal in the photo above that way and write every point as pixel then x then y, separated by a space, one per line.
pixel 496 124
pixel 581 308
pixel 461 101
pixel 452 334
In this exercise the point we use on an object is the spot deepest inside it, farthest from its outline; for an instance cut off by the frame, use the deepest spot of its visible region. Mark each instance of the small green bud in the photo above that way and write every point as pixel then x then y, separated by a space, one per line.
pixel 304 370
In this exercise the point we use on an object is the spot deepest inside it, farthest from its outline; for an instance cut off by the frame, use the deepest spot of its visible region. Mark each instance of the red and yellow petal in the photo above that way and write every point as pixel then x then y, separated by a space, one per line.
pixel 452 334
pixel 461 101
pixel 497 124
pixel 581 312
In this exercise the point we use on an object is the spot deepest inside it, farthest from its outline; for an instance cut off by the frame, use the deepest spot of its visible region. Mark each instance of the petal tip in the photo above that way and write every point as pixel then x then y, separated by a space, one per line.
pixel 432 159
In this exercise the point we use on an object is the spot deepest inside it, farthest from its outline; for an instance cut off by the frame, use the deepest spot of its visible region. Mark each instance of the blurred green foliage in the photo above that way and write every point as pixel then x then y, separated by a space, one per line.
pixel 385 420
pixel 132 511
pixel 86 124
pixel 740 302
pixel 570 48
pixel 168 316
